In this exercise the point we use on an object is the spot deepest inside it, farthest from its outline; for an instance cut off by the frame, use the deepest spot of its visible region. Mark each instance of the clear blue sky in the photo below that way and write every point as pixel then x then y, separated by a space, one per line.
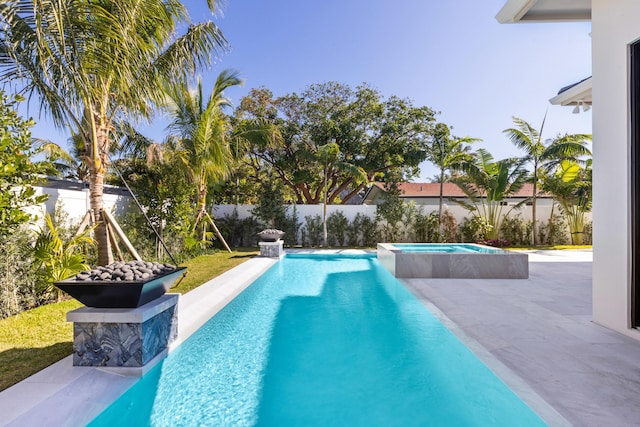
pixel 451 55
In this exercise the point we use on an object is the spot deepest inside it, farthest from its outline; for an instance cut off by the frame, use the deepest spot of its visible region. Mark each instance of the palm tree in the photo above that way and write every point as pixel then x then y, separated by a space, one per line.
pixel 199 136
pixel 487 183
pixel 570 185
pixel 448 154
pixel 91 63
pixel 540 154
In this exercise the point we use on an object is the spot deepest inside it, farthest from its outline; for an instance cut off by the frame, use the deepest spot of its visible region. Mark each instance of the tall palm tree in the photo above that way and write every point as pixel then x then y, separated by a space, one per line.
pixel 540 154
pixel 448 154
pixel 91 63
pixel 487 182
pixel 199 136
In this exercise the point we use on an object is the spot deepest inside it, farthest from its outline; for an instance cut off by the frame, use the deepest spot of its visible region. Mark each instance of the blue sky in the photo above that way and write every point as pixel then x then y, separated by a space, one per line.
pixel 451 55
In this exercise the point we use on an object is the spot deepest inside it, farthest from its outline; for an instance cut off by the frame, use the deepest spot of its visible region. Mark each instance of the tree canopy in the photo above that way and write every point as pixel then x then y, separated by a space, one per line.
pixel 368 135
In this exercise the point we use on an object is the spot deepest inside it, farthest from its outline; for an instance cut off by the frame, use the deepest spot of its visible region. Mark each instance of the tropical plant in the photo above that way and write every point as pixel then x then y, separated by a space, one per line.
pixel 448 153
pixel 199 137
pixel 18 172
pixel 543 156
pixel 487 183
pixel 571 187
pixel 91 63
pixel 58 259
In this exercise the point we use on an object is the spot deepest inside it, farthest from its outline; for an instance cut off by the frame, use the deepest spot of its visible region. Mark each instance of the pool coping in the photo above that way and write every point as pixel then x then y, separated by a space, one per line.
pixel 53 392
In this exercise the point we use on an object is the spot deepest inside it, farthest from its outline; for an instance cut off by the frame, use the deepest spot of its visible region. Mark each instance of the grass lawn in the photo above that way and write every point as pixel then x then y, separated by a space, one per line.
pixel 35 339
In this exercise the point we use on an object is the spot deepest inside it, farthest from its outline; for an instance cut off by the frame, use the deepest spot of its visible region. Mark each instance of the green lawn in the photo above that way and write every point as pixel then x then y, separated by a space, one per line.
pixel 34 339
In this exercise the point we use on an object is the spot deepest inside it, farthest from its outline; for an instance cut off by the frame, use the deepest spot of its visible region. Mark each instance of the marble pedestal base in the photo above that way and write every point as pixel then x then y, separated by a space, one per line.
pixel 272 249
pixel 124 338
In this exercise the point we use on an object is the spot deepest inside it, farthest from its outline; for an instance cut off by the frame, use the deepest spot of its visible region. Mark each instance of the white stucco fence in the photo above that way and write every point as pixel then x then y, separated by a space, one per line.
pixel 543 211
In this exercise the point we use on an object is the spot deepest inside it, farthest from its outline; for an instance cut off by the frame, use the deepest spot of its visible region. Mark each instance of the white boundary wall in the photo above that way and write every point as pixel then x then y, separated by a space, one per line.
pixel 76 202
pixel 543 211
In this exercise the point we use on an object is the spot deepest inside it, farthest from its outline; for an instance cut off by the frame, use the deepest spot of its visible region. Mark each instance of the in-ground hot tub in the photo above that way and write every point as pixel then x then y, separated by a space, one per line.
pixel 452 260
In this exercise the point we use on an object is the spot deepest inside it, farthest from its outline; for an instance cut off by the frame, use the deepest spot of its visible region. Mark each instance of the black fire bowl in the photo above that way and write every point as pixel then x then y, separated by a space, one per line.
pixel 110 294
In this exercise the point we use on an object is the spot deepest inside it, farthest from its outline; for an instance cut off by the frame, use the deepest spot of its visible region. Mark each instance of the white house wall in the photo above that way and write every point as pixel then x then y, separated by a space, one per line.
pixel 614 27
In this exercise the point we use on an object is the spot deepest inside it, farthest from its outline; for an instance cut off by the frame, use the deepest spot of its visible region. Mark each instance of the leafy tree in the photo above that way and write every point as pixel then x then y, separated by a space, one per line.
pixel 571 187
pixel 544 155
pixel 18 173
pixel 487 183
pixel 92 63
pixel 448 154
pixel 165 194
pixel 372 136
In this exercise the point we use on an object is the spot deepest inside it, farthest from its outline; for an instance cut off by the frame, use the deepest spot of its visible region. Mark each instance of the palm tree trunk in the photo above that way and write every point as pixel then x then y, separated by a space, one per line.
pixel 534 233
pixel 440 205
pixel 96 187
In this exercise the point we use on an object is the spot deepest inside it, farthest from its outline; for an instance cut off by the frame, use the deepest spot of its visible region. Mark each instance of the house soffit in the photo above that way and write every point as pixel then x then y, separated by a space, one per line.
pixel 544 11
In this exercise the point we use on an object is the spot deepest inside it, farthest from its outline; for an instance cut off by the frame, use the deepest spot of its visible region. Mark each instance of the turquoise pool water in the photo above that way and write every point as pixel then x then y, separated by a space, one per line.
pixel 321 340
pixel 446 248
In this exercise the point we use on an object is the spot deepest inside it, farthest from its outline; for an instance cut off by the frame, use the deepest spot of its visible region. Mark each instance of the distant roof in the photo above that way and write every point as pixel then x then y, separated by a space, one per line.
pixel 450 190
pixel 566 88
pixel 73 184
pixel 579 93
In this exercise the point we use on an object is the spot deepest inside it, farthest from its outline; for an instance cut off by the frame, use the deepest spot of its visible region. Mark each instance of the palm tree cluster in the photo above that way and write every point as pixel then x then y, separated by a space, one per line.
pixel 93 64
pixel 557 167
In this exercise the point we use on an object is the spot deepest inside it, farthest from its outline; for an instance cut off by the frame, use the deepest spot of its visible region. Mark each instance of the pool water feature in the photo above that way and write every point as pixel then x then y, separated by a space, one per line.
pixel 321 340
pixel 452 260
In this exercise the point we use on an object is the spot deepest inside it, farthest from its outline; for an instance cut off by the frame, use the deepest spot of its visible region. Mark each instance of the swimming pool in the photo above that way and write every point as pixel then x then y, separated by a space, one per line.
pixel 321 340
pixel 452 260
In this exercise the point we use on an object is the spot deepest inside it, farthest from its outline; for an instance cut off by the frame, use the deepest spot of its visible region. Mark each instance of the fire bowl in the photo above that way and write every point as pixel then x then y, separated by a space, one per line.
pixel 123 294
pixel 270 235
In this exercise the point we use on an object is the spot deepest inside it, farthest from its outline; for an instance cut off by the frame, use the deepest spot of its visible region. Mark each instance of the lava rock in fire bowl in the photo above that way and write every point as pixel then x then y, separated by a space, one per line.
pixel 270 235
pixel 122 284
pixel 132 271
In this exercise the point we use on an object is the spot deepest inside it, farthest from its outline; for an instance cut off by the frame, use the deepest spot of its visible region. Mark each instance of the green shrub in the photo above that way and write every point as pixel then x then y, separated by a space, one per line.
pixel 474 229
pixel 291 227
pixel 313 230
pixel 450 231
pixel 554 232
pixel 18 278
pixel 239 232
pixel 337 225
pixel 588 233
pixel 370 231
pixel 425 227
pixel 515 230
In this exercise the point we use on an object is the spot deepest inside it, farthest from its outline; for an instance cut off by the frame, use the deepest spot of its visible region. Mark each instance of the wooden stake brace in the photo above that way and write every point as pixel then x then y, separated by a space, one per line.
pixel 113 225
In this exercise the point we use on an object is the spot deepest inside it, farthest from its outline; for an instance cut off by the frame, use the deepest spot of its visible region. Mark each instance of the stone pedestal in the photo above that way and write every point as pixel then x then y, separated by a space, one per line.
pixel 129 340
pixel 272 249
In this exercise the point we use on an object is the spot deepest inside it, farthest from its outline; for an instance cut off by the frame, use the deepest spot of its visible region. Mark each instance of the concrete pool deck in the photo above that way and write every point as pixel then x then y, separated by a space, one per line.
pixel 538 329
pixel 541 329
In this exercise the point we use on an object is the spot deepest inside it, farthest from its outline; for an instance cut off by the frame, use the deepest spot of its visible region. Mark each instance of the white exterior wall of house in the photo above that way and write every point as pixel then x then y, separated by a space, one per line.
pixel 614 27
